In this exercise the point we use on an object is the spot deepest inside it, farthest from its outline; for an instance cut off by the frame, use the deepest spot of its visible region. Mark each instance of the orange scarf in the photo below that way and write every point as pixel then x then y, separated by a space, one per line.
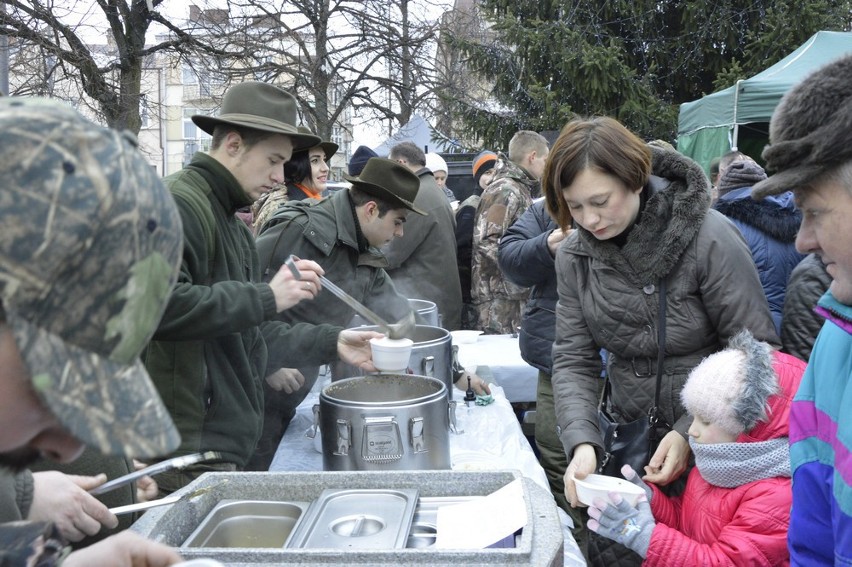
pixel 310 193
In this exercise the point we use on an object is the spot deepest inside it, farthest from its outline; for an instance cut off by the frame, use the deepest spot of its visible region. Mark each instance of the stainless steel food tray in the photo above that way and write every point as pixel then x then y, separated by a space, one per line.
pixel 247 524
pixel 357 519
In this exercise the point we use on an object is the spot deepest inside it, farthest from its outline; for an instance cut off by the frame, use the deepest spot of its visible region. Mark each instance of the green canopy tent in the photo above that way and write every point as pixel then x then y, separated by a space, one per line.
pixel 738 117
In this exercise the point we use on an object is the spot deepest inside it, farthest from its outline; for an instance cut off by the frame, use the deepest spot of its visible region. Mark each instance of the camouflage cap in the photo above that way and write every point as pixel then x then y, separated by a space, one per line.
pixel 89 252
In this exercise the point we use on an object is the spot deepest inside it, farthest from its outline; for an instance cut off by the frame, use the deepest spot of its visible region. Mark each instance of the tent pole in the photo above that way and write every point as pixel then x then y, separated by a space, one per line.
pixel 736 122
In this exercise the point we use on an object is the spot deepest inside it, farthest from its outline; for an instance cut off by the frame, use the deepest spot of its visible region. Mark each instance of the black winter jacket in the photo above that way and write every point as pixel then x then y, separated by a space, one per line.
pixel 525 260
pixel 801 324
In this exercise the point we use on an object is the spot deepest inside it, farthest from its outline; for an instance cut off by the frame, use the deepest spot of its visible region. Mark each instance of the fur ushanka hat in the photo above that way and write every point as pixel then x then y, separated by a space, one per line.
pixel 732 387
pixel 810 131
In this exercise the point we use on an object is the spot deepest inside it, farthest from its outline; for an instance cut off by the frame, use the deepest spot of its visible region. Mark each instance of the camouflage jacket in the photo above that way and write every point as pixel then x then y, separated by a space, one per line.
pixel 498 301
pixel 31 543
pixel 269 203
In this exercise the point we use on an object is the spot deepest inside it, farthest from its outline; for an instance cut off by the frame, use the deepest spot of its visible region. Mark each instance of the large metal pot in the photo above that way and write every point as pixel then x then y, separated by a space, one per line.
pixel 427 312
pixel 431 355
pixel 385 422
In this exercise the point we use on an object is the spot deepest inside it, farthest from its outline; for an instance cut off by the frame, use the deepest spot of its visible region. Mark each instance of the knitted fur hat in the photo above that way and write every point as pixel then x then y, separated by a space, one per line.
pixel 810 131
pixel 732 387
pixel 743 173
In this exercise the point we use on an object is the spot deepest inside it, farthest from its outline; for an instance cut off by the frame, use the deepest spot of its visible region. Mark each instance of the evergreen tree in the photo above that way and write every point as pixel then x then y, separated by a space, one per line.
pixel 634 60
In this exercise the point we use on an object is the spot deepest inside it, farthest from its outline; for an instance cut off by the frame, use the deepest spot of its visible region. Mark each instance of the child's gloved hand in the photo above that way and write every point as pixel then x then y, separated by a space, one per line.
pixel 631 475
pixel 621 522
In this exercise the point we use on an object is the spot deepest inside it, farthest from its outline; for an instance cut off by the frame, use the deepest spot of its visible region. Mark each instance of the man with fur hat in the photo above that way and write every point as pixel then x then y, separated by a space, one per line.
pixel 736 505
pixel 220 335
pixel 810 153
pixel 89 250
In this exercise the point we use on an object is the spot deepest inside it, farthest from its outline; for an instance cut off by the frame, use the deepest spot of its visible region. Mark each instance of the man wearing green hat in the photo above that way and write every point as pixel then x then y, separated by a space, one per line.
pixel 220 335
pixel 342 233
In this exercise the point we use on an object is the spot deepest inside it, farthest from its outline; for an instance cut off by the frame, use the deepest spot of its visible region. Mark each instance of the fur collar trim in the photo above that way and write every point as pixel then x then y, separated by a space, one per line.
pixel 780 223
pixel 673 215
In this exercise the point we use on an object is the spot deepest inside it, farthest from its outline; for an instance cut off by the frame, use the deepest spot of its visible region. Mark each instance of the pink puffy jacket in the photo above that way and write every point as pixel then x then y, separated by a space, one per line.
pixel 746 525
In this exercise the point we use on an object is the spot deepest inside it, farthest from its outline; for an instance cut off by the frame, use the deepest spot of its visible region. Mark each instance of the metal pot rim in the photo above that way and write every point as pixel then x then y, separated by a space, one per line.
pixel 445 334
pixel 326 395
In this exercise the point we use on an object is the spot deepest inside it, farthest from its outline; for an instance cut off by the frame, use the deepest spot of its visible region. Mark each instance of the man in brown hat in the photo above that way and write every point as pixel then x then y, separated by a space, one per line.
pixel 810 153
pixel 343 234
pixel 220 335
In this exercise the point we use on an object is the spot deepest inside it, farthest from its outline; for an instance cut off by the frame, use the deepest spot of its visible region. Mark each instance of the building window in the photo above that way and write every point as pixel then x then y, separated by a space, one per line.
pixel 144 111
pixel 194 138
pixel 189 75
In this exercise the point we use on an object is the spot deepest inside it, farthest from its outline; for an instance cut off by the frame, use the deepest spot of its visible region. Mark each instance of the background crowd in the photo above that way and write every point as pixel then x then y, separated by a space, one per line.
pixel 199 322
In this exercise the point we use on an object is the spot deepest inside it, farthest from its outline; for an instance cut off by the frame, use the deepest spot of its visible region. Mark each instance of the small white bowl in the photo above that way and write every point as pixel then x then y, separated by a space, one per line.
pixel 598 485
pixel 465 337
pixel 391 355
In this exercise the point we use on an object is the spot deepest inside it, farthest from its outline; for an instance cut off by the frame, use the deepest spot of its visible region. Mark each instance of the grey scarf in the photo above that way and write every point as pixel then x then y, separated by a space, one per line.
pixel 729 465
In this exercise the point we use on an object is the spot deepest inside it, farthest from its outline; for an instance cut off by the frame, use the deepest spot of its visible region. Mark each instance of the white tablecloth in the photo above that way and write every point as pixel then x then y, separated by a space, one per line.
pixel 492 440
pixel 508 370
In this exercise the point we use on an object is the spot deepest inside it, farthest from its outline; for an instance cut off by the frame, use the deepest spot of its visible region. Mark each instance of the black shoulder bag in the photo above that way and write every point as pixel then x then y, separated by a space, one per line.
pixel 633 443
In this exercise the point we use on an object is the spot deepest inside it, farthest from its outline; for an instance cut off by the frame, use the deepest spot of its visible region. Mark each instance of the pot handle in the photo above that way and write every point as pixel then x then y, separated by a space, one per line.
pixel 312 430
pixel 454 426
pixel 343 437
pixel 427 366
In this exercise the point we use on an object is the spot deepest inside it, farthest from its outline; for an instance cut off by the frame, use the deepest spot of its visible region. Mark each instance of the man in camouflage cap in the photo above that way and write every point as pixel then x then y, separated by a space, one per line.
pixel 89 252
pixel 810 153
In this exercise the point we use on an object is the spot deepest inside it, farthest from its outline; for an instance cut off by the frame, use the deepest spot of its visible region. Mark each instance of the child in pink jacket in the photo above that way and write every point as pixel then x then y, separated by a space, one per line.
pixel 735 509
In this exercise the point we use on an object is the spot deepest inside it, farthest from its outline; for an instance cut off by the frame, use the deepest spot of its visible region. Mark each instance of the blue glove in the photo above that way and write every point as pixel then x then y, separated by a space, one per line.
pixel 630 474
pixel 622 522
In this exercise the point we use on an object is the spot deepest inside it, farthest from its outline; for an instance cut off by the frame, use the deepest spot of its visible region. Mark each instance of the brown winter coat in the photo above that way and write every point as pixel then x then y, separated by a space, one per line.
pixel 608 298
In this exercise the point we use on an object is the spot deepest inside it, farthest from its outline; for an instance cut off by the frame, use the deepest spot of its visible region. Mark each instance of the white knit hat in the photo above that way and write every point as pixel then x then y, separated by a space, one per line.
pixel 436 163
pixel 731 388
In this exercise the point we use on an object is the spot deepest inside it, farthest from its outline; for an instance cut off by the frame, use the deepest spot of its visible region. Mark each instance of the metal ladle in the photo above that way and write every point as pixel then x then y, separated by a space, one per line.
pixel 402 329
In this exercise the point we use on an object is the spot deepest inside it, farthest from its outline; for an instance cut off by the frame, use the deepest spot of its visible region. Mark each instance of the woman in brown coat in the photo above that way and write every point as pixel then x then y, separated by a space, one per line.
pixel 642 215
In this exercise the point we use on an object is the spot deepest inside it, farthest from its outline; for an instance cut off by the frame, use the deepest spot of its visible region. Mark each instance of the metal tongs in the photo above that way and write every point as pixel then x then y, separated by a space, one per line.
pixel 171 499
pixel 404 328
pixel 156 468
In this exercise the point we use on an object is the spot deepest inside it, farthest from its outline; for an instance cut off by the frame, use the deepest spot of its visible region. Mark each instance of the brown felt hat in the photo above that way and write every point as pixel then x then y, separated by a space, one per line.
pixel 259 106
pixel 389 181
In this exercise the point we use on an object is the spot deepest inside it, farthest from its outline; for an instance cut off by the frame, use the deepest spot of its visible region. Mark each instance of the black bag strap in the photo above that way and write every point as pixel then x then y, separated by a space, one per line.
pixel 653 414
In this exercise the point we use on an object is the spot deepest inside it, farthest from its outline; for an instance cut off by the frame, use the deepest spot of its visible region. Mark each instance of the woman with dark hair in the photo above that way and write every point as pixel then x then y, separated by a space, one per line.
pixel 305 177
pixel 642 219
